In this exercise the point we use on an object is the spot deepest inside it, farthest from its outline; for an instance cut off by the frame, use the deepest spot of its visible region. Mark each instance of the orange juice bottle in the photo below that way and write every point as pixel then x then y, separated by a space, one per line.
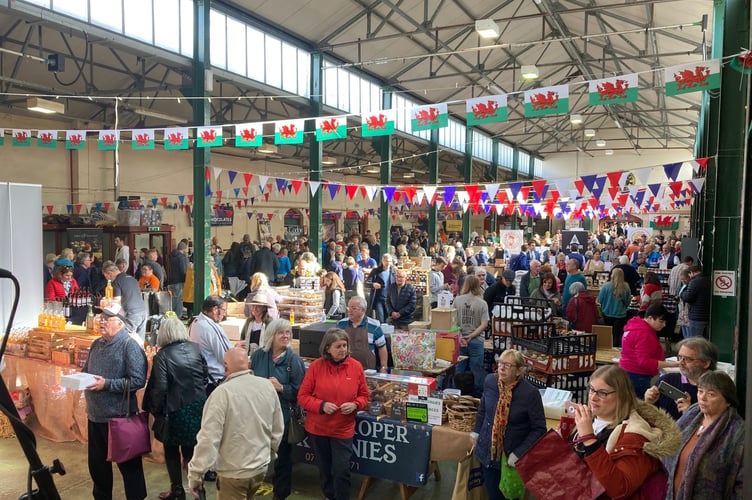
pixel 292 316
pixel 109 292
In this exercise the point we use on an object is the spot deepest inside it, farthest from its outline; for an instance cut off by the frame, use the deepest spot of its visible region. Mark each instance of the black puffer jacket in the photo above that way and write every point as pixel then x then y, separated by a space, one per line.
pixel 178 378
pixel 697 295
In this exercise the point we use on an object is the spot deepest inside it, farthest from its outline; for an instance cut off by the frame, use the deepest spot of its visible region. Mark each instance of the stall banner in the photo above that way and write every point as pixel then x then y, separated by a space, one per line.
pixel 222 215
pixel 639 232
pixel 86 240
pixel 293 232
pixel 265 229
pixel 385 449
pixel 511 239
pixel 569 238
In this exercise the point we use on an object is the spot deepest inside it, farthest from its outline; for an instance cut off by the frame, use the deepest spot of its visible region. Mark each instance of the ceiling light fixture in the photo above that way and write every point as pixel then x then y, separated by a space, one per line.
pixel 160 116
pixel 609 152
pixel 408 175
pixel 328 160
pixel 529 72
pixel 267 148
pixel 487 28
pixel 600 143
pixel 44 106
pixel 372 170
pixel 589 132
pixel 617 123
pixel 575 119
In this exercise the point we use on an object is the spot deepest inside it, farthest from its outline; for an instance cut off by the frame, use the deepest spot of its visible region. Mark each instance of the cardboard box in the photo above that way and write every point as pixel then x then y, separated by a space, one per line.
pixel 448 346
pixel 236 309
pixel 233 327
pixel 77 381
pixel 444 319
pixel 605 336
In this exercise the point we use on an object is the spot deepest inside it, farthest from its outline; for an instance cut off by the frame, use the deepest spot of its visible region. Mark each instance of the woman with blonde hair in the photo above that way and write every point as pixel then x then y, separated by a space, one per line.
pixel 614 298
pixel 260 283
pixel 334 296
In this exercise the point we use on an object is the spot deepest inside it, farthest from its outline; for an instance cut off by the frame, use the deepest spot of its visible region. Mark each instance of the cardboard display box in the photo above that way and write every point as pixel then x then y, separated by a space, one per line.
pixel 233 327
pixel 605 336
pixel 444 319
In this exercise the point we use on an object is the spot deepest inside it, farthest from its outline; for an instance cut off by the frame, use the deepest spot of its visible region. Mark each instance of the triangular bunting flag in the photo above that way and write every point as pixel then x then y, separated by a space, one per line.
pixel 672 170
pixel 539 186
pixel 676 187
pixel 492 189
pixel 333 190
pixel 696 184
pixel 589 181
pixel 654 188
pixel 410 192
pixel 580 185
pixel 515 187
pixel 642 175
pixel 216 171
pixel 563 185
pixel 314 186
pixel 351 189
pixel 615 178
pixel 389 193
pixel 449 194
pixel 281 183
pixel 431 193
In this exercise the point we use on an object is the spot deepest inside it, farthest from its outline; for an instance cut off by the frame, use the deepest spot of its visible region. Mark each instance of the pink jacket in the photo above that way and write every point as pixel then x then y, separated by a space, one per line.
pixel 640 349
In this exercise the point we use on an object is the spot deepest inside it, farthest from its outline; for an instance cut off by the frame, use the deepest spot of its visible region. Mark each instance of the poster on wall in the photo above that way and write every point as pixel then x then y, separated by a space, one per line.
pixel 639 232
pixel 265 229
pixel 576 237
pixel 293 232
pixel 86 240
pixel 222 215
pixel 328 231
pixel 511 239
pixel 352 226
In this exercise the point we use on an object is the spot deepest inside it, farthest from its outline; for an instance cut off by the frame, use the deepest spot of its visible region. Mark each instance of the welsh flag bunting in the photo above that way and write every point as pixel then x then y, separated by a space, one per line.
pixel 616 90
pixel 176 138
pixel 208 137
pixel 379 123
pixel 47 139
pixel 108 140
pixel 742 63
pixel 331 127
pixel 142 139
pixel 289 132
pixel 547 101
pixel 429 117
pixel 75 139
pixel 487 109
pixel 248 135
pixel 21 138
pixel 693 77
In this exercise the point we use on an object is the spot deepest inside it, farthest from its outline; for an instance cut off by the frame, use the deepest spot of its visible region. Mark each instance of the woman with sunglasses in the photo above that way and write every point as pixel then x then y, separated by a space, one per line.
pixel 622 438
pixel 61 285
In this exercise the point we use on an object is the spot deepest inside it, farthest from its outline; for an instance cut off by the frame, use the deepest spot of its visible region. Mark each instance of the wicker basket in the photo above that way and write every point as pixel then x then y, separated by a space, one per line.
pixel 462 417
pixel 6 430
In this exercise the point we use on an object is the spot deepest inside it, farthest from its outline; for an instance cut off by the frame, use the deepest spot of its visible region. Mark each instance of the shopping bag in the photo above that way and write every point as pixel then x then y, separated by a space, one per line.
pixel 552 470
pixel 128 437
pixel 296 428
pixel 413 350
pixel 468 484
pixel 511 484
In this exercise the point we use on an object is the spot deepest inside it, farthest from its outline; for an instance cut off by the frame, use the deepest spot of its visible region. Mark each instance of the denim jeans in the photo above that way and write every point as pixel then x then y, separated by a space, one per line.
pixel 177 298
pixel 685 331
pixel 697 328
pixel 379 307
pixel 474 351
pixel 492 478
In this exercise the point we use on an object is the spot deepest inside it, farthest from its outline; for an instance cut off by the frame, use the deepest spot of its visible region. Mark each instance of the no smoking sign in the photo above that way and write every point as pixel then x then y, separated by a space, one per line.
pixel 724 283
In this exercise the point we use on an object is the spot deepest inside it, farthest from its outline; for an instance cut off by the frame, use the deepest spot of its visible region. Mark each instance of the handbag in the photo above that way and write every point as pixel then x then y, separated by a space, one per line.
pixel 128 436
pixel 469 484
pixel 552 470
pixel 296 432
pixel 511 484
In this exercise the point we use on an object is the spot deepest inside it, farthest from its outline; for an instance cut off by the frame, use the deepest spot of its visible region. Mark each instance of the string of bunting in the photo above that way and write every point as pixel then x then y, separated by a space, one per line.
pixel 552 100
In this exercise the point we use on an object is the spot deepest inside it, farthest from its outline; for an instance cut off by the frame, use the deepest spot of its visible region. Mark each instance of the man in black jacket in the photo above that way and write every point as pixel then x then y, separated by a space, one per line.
pixel 502 288
pixel 697 295
pixel 264 261
pixel 176 278
pixel 401 299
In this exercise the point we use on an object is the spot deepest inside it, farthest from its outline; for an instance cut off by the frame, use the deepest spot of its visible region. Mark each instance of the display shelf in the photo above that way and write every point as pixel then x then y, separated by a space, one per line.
pixel 576 383
pixel 306 305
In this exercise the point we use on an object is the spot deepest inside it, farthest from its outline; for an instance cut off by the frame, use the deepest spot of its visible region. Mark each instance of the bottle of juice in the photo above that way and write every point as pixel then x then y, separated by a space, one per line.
pixel 109 292
pixel 90 319
pixel 292 317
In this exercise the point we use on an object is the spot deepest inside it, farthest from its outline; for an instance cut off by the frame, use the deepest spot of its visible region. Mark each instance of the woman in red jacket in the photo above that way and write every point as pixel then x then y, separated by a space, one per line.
pixel 333 390
pixel 61 285
pixel 582 312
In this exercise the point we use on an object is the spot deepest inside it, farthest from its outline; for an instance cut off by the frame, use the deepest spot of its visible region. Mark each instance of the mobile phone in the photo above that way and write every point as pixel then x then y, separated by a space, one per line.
pixel 569 408
pixel 669 390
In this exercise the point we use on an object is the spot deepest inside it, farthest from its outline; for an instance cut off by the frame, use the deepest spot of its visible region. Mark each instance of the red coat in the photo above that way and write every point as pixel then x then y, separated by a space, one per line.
pixel 582 312
pixel 340 383
pixel 55 290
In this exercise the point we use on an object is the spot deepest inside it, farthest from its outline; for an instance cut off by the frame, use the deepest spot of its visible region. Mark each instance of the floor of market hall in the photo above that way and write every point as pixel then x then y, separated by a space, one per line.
pixel 76 484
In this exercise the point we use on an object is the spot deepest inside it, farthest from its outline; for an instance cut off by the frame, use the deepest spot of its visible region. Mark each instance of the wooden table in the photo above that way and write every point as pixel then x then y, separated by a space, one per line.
pixel 607 356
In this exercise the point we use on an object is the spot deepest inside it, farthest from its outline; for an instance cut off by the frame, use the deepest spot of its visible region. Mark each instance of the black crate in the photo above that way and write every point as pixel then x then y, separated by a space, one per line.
pixel 489 361
pixel 576 383
pixel 501 343
pixel 543 338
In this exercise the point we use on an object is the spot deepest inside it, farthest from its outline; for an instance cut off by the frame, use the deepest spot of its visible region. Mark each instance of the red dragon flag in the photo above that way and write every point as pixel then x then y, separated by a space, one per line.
pixel 331 127
pixel 47 139
pixel 108 140
pixel 487 109
pixel 176 138
pixel 249 135
pixel 75 139
pixel 429 117
pixel 21 137
pixel 547 101
pixel 142 139
pixel 208 137
pixel 693 77
pixel 289 132
pixel 378 123
pixel 616 90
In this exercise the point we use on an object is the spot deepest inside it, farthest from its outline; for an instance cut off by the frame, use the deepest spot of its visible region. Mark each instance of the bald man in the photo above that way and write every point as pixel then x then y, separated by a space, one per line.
pixel 247 408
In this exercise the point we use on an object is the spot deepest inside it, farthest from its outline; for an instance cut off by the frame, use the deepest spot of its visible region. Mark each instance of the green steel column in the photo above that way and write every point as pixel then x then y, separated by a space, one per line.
pixel 383 145
pixel 201 160
pixel 467 167
pixel 724 142
pixel 315 151
pixel 515 176
pixel 433 179
pixel 494 177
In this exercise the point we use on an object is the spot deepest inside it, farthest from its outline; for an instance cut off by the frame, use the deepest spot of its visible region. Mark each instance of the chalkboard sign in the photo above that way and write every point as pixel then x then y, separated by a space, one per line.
pixel 385 449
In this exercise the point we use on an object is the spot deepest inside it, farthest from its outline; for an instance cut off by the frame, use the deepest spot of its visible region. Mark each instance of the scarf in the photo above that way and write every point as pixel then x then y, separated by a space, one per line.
pixel 501 419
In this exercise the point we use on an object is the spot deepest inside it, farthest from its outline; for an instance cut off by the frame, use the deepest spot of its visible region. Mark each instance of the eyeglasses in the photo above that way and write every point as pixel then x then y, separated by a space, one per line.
pixel 600 393
pixel 686 359
pixel 507 366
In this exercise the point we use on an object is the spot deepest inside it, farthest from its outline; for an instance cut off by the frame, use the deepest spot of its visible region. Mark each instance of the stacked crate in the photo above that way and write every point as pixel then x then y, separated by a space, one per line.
pixel 505 315
pixel 563 361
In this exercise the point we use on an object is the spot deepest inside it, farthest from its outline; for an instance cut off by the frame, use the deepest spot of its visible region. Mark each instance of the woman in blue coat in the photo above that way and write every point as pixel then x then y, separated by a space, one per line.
pixel 510 419
pixel 284 369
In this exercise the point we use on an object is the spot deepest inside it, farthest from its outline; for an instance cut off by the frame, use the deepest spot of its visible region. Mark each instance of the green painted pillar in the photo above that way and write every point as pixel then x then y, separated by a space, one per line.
pixel 383 145
pixel 433 179
pixel 515 177
pixel 315 154
pixel 493 176
pixel 467 172
pixel 201 160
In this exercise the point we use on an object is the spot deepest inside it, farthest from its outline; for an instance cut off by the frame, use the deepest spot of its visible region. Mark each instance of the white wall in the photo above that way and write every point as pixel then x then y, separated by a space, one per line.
pixel 577 164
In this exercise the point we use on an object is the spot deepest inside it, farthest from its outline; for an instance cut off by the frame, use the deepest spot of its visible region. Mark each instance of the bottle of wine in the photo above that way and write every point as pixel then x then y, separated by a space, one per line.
pixel 66 307
pixel 90 319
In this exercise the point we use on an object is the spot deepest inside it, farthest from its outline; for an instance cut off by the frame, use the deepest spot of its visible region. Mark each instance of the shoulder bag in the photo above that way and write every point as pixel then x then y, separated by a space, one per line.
pixel 296 432
pixel 128 436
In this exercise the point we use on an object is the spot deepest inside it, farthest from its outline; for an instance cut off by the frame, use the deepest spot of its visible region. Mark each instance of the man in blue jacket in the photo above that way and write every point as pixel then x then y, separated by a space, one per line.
pixel 697 295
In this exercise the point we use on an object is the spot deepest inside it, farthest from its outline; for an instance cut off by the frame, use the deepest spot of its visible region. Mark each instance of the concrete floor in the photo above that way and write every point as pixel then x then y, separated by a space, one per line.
pixel 76 485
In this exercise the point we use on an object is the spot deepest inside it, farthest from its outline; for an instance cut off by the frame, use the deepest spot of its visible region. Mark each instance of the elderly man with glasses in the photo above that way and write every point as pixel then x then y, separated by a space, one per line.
pixel 366 337
pixel 401 300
